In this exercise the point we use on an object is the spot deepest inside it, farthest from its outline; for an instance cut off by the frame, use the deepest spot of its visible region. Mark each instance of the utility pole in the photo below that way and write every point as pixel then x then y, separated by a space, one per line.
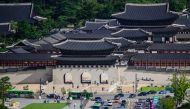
pixel 136 83
pixel 40 86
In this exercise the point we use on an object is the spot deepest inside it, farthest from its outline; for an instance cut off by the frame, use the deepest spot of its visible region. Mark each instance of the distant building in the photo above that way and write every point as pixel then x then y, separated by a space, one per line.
pixel 144 36
pixel 15 12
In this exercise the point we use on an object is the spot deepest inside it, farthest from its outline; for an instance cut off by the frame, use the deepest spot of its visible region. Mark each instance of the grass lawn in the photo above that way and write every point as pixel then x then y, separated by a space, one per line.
pixel 45 106
pixel 146 89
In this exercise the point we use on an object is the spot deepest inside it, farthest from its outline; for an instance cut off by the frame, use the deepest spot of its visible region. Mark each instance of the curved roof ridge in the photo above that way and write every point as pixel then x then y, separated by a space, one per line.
pixel 103 20
pixel 61 43
pixel 15 4
pixel 147 4
pixel 124 29
pixel 95 22
pixel 72 40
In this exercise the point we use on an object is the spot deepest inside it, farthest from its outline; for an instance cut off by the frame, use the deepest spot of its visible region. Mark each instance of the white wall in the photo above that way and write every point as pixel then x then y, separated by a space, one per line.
pixel 58 74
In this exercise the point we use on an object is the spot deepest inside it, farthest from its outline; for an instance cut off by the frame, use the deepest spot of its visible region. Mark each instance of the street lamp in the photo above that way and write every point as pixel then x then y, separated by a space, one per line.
pixel 133 87
pixel 40 86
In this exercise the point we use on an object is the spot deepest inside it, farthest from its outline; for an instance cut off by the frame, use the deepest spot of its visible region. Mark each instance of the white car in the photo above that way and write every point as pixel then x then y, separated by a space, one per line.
pixel 109 103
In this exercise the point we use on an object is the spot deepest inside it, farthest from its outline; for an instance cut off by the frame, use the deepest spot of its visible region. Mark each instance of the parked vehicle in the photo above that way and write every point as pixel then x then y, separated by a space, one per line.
pixel 162 92
pixel 109 103
pixel 123 103
pixel 116 97
pixel 53 96
pixel 97 98
pixel 120 95
pixel 132 95
pixel 151 92
pixel 142 94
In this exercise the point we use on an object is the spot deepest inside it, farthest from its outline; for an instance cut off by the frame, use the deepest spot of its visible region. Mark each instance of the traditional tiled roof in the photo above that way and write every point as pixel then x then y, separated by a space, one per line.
pixel 155 56
pixel 110 22
pixel 140 46
pixel 85 45
pixel 22 43
pixel 15 12
pixel 91 26
pixel 58 36
pixel 169 46
pixel 183 20
pixel 88 60
pixel 24 57
pixel 4 28
pixel 161 30
pixel 39 42
pixel 45 47
pixel 50 40
pixel 145 12
pixel 120 41
pixel 95 35
pixel 19 50
pixel 131 33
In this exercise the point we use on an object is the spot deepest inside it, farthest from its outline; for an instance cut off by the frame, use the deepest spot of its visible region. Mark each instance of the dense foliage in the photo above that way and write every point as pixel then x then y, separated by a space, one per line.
pixel 167 103
pixel 60 13
pixel 180 83
pixel 4 86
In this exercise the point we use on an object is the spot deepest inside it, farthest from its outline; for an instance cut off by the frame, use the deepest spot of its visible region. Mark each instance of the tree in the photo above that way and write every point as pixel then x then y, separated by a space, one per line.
pixel 180 84
pixel 4 86
pixel 185 106
pixel 167 103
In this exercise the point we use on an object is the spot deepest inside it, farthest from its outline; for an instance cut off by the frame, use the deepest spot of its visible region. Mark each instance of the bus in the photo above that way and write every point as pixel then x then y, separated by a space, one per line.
pixel 20 94
pixel 78 95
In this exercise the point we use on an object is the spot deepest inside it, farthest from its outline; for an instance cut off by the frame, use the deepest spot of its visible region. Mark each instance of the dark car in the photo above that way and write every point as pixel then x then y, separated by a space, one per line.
pixel 53 96
pixel 123 103
pixel 132 95
pixel 151 92
pixel 162 92
pixel 98 98
pixel 120 95
pixel 142 94
pixel 116 97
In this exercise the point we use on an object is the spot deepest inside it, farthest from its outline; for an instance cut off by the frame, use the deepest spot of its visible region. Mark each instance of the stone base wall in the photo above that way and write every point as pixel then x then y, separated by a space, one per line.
pixel 29 76
pixel 58 74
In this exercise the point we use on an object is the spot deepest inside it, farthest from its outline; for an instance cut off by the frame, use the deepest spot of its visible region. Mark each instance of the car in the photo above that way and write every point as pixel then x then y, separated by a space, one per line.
pixel 151 92
pixel 96 105
pixel 120 95
pixel 52 96
pixel 116 97
pixel 132 95
pixel 167 96
pixel 142 94
pixel 162 92
pixel 97 98
pixel 109 103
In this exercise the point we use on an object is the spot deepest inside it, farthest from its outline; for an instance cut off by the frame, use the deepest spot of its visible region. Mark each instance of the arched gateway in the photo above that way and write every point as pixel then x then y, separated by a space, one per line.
pixel 86 77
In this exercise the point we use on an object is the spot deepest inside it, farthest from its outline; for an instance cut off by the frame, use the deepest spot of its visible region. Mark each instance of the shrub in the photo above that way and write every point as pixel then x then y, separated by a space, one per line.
pixel 3 107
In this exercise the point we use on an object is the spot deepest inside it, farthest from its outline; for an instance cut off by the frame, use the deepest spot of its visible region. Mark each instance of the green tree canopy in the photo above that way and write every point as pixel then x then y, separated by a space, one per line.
pixel 4 86
pixel 180 83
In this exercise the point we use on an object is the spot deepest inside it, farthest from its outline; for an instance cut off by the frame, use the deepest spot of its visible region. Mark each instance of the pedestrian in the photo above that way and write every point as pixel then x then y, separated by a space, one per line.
pixel 75 104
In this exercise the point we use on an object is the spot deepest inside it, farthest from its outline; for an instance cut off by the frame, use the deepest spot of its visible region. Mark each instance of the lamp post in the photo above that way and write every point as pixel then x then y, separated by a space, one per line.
pixel 40 86
pixel 133 87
